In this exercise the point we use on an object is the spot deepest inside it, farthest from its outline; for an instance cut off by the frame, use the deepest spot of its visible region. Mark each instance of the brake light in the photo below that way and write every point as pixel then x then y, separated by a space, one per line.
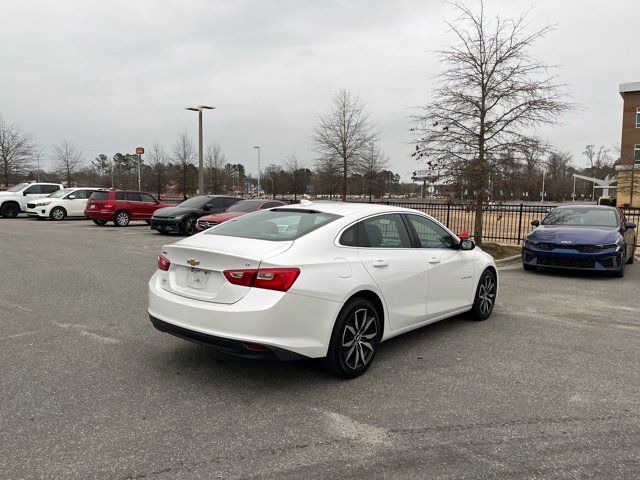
pixel 279 279
pixel 163 263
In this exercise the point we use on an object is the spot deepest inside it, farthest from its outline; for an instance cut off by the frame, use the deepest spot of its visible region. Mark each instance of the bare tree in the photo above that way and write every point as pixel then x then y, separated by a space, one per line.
pixel 343 133
pixel 184 156
pixel 372 163
pixel 67 159
pixel 490 93
pixel 329 168
pixel 294 169
pixel 158 160
pixel 597 158
pixel 215 160
pixel 17 150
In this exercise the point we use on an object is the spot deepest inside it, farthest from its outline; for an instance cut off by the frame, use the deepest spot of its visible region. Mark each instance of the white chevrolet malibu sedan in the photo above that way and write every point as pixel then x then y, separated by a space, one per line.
pixel 318 280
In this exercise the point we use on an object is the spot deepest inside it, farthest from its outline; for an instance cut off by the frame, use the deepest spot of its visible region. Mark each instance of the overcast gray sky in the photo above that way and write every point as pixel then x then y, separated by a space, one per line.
pixel 112 75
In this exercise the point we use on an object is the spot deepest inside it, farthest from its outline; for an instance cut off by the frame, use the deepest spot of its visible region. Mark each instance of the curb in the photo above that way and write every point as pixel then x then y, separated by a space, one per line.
pixel 510 259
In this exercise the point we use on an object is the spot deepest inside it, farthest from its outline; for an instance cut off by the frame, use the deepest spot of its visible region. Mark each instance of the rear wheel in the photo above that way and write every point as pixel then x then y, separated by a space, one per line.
pixel 355 339
pixel 485 296
pixel 100 221
pixel 121 219
pixel 58 213
pixel 10 210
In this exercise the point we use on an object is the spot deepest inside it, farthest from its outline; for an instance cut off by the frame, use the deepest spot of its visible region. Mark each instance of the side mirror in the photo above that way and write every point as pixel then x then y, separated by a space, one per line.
pixel 71 197
pixel 629 225
pixel 24 193
pixel 536 223
pixel 467 245
pixel 206 208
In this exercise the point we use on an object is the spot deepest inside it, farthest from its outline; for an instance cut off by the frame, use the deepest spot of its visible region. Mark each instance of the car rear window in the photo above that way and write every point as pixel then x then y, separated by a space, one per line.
pixel 99 196
pixel 277 225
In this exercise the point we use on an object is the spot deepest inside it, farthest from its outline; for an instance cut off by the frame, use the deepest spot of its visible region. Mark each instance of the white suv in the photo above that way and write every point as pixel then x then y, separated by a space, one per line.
pixel 68 202
pixel 14 200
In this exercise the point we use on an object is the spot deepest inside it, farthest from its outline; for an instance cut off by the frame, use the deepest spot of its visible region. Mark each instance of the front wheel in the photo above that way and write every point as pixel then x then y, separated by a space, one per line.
pixel 485 296
pixel 58 213
pixel 100 221
pixel 10 210
pixel 121 219
pixel 354 340
pixel 189 226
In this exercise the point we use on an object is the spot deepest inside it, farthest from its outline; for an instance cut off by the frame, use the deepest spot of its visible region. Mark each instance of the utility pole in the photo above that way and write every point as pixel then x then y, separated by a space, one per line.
pixel 199 109
pixel 258 186
pixel 542 193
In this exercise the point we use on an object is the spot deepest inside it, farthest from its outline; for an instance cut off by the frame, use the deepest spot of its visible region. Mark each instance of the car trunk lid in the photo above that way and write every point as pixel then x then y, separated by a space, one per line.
pixel 198 264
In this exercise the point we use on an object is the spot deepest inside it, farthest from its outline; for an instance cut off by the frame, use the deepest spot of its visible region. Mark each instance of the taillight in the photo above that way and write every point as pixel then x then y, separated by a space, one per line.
pixel 163 263
pixel 109 206
pixel 279 279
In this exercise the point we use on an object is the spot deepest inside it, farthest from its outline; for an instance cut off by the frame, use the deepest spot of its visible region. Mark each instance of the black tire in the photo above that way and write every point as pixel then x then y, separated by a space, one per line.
pixel 121 218
pixel 10 210
pixel 530 268
pixel 57 213
pixel 188 226
pixel 354 340
pixel 99 221
pixel 485 298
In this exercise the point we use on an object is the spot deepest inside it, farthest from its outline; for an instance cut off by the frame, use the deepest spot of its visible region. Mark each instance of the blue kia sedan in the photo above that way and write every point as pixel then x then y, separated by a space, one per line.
pixel 583 237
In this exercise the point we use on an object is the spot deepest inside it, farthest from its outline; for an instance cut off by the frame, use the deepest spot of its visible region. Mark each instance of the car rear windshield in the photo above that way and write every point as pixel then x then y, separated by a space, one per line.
pixel 587 217
pixel 99 196
pixel 276 225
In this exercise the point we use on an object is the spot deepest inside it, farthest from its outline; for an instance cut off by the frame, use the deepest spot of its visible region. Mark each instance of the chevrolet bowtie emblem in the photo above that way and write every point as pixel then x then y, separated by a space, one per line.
pixel 193 262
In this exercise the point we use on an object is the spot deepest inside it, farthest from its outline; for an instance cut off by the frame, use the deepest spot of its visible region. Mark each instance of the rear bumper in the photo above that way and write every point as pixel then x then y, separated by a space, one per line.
pixel 607 260
pixel 100 214
pixel 288 324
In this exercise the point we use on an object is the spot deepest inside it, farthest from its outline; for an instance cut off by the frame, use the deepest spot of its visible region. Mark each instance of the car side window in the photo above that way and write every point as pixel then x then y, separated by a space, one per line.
pixel 49 188
pixel 133 197
pixel 120 196
pixel 80 194
pixel 34 189
pixel 230 201
pixel 270 205
pixel 382 231
pixel 430 234
pixel 215 204
pixel 147 198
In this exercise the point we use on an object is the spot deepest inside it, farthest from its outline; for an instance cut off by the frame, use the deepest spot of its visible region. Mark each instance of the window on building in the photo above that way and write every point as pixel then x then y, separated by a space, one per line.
pixel 636 153
pixel 638 117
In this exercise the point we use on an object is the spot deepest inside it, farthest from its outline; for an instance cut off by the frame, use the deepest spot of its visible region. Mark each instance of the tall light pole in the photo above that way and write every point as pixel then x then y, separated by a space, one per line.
pixel 199 109
pixel 258 187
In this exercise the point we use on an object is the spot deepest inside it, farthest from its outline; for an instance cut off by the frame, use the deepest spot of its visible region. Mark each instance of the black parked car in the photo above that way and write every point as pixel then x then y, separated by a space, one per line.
pixel 182 218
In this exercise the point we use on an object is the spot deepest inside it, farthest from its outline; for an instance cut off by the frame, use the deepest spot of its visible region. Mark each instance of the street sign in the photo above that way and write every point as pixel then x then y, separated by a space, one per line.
pixel 431 189
pixel 139 150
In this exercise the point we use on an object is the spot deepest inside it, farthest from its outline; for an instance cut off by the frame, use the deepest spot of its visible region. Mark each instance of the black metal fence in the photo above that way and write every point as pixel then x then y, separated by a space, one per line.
pixel 501 223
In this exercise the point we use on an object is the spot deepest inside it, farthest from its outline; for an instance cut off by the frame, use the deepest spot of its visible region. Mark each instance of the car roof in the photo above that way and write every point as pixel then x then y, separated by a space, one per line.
pixel 349 208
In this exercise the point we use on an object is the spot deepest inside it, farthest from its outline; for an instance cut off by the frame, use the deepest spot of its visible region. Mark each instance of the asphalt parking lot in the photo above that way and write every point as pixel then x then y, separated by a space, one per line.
pixel 548 387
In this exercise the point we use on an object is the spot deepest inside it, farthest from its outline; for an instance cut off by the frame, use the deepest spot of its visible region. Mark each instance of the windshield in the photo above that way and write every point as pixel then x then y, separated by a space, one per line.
pixel 61 193
pixel 18 187
pixel 245 206
pixel 276 225
pixel 587 217
pixel 195 202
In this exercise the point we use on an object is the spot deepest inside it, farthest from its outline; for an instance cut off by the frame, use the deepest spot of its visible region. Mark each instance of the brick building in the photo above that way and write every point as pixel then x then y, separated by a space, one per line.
pixel 629 168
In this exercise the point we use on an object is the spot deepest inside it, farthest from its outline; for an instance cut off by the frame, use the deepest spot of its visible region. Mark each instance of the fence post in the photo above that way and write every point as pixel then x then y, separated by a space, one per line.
pixel 520 224
pixel 448 213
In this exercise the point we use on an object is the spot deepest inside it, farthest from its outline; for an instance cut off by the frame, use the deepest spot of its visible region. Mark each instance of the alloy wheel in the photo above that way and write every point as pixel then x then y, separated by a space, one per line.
pixel 57 214
pixel 487 294
pixel 122 218
pixel 190 226
pixel 358 339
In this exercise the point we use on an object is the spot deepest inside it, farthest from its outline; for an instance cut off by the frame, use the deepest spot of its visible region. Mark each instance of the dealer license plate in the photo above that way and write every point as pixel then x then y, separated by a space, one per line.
pixel 197 279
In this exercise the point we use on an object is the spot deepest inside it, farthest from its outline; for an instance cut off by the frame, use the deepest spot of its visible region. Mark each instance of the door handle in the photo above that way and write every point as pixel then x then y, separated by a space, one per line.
pixel 380 263
pixel 434 260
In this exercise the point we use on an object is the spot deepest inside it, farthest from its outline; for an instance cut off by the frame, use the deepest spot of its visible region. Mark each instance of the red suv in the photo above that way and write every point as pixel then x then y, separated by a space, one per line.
pixel 121 206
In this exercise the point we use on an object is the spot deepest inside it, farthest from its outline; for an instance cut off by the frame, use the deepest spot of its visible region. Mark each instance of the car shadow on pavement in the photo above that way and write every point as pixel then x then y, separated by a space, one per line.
pixel 191 358
pixel 587 274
